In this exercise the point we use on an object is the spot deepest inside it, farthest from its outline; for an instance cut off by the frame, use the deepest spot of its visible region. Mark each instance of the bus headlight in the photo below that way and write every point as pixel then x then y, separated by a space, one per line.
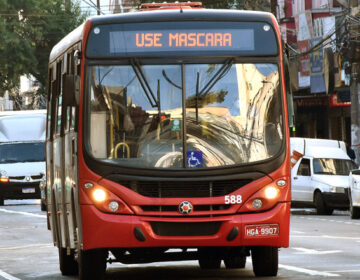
pixel 263 199
pixel 114 206
pixel 257 203
pixel 106 201
pixel 99 195
pixel 271 192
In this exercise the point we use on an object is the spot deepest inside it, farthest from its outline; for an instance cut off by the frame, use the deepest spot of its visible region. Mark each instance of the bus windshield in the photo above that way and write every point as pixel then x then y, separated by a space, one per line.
pixel 184 115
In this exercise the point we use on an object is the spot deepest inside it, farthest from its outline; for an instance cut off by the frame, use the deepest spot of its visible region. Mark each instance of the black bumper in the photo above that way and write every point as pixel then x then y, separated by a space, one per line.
pixel 18 190
pixel 337 200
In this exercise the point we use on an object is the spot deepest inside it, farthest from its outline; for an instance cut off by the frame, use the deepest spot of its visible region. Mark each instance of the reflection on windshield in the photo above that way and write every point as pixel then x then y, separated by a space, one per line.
pixel 331 166
pixel 233 114
pixel 22 152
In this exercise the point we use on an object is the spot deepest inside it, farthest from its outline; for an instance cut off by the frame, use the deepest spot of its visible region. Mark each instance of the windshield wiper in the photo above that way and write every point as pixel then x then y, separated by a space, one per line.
pixel 217 77
pixel 144 84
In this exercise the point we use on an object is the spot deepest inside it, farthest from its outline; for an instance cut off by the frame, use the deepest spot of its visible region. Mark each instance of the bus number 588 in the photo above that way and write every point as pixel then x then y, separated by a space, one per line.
pixel 233 199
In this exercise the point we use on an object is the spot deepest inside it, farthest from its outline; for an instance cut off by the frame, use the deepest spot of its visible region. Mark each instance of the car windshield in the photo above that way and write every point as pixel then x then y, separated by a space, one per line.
pixel 184 115
pixel 330 166
pixel 22 152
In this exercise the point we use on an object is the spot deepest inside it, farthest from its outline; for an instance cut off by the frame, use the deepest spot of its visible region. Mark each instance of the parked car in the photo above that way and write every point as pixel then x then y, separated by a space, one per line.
pixel 354 193
pixel 22 154
pixel 320 176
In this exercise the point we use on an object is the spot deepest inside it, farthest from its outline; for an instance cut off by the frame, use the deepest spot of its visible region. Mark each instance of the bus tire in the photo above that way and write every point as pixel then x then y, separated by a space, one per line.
pixel 68 264
pixel 92 264
pixel 209 259
pixel 235 259
pixel 235 262
pixel 265 260
pixel 321 208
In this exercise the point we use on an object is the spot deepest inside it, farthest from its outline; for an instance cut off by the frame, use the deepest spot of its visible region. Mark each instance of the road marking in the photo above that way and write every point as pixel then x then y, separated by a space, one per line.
pixel 297 232
pixel 315 252
pixel 7 276
pixel 308 271
pixel 330 220
pixel 345 271
pixel 326 236
pixel 23 213
pixel 27 246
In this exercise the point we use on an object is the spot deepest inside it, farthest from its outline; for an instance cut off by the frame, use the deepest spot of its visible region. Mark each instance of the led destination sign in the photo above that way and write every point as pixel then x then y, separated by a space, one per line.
pixel 193 39
pixel 135 41
pixel 181 39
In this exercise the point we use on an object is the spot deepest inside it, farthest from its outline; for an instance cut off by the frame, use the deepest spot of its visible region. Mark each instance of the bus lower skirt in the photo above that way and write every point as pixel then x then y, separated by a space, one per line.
pixel 149 255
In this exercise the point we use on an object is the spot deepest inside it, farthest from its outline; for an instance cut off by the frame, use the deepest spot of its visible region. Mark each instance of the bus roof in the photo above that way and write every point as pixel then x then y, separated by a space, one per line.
pixel 161 16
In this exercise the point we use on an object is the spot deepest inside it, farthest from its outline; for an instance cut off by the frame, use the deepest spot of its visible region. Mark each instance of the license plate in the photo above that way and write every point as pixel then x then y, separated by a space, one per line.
pixel 28 190
pixel 262 230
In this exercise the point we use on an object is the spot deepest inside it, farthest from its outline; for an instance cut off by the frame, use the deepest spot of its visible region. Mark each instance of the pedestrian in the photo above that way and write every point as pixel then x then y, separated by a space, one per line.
pixel 350 152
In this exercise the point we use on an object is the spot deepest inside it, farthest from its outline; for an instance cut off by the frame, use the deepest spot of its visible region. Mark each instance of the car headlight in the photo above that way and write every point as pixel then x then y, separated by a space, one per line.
pixel 4 177
pixel 337 189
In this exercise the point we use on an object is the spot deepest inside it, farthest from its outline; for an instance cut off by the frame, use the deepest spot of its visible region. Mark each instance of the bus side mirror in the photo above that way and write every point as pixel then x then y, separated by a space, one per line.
pixel 71 96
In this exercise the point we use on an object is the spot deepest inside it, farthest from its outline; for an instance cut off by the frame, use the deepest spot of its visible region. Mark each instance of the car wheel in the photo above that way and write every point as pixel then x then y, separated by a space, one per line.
pixel 209 259
pixel 92 264
pixel 68 264
pixel 265 260
pixel 321 208
pixel 43 206
pixel 354 211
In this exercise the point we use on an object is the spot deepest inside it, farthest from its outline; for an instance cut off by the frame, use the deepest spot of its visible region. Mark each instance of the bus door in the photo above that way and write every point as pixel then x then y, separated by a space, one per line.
pixel 58 162
pixel 70 159
pixel 50 123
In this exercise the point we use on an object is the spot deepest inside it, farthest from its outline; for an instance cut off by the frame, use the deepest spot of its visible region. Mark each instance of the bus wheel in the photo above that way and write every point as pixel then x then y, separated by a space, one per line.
pixel 1 201
pixel 209 258
pixel 235 259
pixel 265 260
pixel 68 265
pixel 92 264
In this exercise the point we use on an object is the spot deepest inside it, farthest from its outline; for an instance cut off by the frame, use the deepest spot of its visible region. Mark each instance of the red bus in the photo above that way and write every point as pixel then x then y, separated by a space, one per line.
pixel 167 140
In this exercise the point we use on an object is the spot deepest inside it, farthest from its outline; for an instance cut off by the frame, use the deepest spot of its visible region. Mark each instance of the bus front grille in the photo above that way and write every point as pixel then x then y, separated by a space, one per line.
pixel 184 188
pixel 185 229
pixel 175 208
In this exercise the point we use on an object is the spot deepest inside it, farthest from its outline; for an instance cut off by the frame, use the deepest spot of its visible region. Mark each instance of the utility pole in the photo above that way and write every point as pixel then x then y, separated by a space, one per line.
pixel 98 7
pixel 355 79
pixel 273 6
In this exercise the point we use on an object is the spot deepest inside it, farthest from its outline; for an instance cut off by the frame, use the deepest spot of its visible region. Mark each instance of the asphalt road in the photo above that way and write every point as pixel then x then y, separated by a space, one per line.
pixel 320 247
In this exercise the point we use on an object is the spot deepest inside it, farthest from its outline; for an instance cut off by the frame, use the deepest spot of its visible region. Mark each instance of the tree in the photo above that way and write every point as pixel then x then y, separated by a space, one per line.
pixel 29 29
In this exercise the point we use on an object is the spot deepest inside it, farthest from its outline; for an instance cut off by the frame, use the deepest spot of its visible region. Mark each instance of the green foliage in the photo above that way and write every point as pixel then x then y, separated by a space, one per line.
pixel 29 29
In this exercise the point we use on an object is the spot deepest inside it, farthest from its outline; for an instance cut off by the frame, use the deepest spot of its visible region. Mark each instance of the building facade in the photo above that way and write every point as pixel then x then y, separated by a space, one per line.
pixel 315 31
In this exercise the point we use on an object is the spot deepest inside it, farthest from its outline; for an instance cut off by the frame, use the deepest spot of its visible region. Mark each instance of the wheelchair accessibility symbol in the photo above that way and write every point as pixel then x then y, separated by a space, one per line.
pixel 194 159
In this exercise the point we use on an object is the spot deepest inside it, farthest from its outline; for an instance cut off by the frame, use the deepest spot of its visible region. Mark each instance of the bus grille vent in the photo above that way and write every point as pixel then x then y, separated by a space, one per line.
pixel 184 189
pixel 185 229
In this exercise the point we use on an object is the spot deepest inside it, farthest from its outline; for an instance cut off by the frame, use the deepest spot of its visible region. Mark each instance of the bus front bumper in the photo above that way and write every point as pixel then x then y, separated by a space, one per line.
pixel 102 230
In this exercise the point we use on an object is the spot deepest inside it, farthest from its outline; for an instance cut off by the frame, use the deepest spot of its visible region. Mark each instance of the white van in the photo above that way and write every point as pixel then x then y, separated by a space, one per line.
pixel 354 193
pixel 320 174
pixel 22 154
